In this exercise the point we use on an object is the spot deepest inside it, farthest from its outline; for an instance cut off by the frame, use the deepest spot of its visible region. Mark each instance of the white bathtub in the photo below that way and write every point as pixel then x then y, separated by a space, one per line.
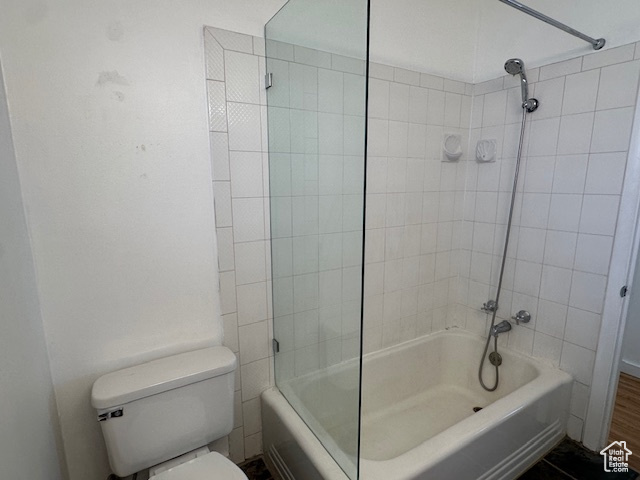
pixel 417 415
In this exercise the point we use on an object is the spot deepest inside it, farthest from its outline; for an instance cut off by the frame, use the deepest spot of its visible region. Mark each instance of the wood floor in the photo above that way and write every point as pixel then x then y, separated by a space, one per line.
pixel 625 424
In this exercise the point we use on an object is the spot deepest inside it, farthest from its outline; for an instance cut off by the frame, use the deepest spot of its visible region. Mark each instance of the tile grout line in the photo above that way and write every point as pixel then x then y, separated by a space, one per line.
pixel 544 459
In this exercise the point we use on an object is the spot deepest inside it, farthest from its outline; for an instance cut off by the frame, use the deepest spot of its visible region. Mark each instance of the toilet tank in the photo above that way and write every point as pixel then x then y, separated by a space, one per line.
pixel 159 410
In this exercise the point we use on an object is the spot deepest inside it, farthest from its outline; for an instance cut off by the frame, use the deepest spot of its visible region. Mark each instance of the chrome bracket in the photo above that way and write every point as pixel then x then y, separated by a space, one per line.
pixel 276 346
pixel 495 359
pixel 599 43
pixel 268 80
pixel 103 417
pixel 531 105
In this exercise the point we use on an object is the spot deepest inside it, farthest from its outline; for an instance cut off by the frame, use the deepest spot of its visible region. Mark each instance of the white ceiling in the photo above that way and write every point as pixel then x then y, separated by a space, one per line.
pixel 470 39
pixel 432 36
pixel 505 32
pixel 337 26
pixel 467 40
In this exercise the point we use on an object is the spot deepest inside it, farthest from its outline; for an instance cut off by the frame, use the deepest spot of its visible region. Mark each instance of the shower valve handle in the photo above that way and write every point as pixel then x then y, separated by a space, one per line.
pixel 489 307
pixel 522 316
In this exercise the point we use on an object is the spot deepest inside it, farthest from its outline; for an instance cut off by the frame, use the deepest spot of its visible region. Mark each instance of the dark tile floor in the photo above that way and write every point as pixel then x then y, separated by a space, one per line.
pixel 571 461
pixel 568 461
pixel 256 469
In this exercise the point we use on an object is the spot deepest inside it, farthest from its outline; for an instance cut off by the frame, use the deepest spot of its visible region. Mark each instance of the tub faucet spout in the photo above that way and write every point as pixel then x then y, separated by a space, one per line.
pixel 503 326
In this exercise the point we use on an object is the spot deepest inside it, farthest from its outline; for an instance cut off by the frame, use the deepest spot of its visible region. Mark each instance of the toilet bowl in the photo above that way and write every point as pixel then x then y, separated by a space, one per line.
pixel 161 416
pixel 211 466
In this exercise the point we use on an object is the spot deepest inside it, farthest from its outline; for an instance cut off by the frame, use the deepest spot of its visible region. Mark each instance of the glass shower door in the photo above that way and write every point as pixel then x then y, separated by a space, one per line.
pixel 316 54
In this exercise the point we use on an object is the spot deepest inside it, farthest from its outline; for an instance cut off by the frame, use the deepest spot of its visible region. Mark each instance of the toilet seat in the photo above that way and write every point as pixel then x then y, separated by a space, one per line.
pixel 211 466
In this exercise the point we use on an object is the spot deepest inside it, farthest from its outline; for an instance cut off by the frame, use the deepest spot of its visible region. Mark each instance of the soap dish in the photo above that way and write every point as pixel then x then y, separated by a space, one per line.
pixel 486 151
pixel 451 145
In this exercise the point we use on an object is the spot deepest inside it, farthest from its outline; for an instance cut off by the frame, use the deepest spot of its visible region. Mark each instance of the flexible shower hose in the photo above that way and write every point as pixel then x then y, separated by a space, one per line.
pixel 504 259
pixel 484 355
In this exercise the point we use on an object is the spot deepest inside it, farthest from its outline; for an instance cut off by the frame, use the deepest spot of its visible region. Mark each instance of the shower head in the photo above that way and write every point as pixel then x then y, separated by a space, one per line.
pixel 515 66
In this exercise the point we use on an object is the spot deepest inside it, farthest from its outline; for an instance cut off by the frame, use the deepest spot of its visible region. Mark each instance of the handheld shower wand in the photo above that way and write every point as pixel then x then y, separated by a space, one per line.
pixel 515 66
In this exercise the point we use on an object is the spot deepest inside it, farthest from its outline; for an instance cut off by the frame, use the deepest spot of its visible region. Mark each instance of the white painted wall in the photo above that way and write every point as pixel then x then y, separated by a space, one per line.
pixel 435 36
pixel 28 423
pixel 108 105
pixel 337 26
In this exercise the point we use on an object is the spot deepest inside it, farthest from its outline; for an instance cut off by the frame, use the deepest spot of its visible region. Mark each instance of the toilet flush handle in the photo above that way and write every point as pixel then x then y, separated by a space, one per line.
pixel 110 414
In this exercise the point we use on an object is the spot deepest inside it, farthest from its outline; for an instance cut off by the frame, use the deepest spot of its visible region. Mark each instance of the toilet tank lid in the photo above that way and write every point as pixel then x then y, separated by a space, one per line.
pixel 134 383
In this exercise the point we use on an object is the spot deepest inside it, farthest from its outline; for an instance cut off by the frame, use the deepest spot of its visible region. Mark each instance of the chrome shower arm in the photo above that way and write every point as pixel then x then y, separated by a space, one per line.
pixel 597 43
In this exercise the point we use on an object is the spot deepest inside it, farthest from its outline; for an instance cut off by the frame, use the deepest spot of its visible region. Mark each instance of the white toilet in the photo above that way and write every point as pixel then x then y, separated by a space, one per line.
pixel 162 415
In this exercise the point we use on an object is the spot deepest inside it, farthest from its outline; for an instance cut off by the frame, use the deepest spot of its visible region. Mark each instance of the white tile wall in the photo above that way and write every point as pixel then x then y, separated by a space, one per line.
pixel 573 166
pixel 316 122
pixel 235 66
pixel 434 230
pixel 411 216
pixel 316 141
